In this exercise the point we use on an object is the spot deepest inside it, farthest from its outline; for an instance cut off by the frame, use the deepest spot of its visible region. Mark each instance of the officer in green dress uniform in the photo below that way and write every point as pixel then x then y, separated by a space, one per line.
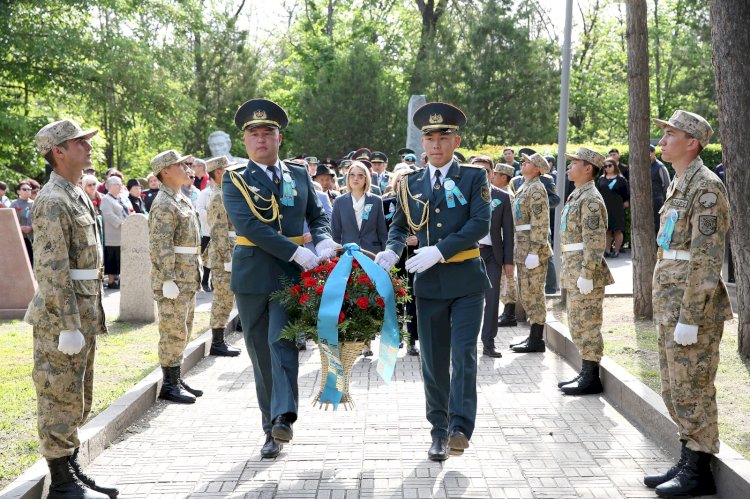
pixel 268 204
pixel 447 206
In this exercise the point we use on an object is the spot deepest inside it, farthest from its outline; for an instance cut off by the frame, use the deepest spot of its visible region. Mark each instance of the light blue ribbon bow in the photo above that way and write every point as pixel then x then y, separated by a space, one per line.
pixel 366 211
pixel 288 189
pixel 391 211
pixel 453 193
pixel 495 203
pixel 665 235
pixel 328 316
pixel 564 223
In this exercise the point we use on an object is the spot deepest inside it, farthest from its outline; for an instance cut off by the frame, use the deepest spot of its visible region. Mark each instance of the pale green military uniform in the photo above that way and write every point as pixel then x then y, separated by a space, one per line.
pixel 223 238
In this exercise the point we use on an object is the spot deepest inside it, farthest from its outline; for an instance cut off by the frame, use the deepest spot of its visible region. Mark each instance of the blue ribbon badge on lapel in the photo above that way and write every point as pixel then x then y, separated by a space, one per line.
pixel 564 222
pixel 289 189
pixel 366 211
pixel 665 235
pixel 391 211
pixel 328 315
pixel 611 185
pixel 452 192
pixel 495 203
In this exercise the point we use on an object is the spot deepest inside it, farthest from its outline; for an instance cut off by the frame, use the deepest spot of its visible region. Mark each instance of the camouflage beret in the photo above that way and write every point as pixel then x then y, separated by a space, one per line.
pixel 481 158
pixel 216 163
pixel 505 169
pixel 165 159
pixel 690 123
pixel 537 160
pixel 589 155
pixel 58 132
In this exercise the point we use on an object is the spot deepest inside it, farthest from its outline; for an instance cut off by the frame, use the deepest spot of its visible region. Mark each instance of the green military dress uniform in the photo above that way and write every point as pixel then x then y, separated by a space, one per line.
pixel 67 241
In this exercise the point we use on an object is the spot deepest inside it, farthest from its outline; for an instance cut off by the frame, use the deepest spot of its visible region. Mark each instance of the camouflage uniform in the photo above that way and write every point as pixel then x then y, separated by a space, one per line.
pixel 584 221
pixel 687 288
pixel 173 223
pixel 67 237
pixel 531 217
pixel 220 252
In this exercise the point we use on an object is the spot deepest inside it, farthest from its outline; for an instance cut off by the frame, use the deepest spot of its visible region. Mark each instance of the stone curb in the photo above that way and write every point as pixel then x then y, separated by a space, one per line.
pixel 98 433
pixel 646 409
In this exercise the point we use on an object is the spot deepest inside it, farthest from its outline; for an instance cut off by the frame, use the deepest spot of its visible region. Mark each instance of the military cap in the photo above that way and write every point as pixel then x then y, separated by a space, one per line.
pixel 330 163
pixel 404 150
pixel 260 112
pixel 410 157
pixel 324 170
pixel 216 163
pixel 481 158
pixel 360 154
pixel 378 157
pixel 165 159
pixel 527 151
pixel 505 169
pixel 690 123
pixel 58 132
pixel 312 160
pixel 438 116
pixel 297 162
pixel 460 157
pixel 589 156
pixel 344 163
pixel 537 160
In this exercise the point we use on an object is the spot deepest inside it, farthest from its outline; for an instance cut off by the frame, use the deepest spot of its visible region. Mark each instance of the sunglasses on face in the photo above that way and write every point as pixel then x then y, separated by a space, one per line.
pixel 25 189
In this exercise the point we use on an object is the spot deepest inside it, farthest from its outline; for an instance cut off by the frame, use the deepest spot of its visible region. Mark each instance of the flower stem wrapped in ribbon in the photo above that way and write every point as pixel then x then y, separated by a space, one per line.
pixel 328 318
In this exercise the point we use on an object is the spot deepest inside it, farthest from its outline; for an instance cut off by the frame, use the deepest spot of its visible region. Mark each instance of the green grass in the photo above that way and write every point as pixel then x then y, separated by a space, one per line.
pixel 123 358
pixel 633 345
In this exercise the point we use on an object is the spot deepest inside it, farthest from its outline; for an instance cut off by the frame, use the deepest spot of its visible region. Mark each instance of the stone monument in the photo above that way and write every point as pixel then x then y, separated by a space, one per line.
pixel 414 134
pixel 17 285
pixel 220 144
pixel 136 297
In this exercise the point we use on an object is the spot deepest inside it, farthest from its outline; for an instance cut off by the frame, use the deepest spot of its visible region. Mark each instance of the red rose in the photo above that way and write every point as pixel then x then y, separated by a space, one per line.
pixel 401 292
pixel 319 290
pixel 362 302
pixel 320 268
pixel 379 301
pixel 355 264
pixel 305 274
pixel 295 290
pixel 363 279
pixel 304 299
pixel 341 317
pixel 310 282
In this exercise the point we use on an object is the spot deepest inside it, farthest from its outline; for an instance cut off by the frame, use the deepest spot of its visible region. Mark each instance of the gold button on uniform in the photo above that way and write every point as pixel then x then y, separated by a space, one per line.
pixel 437 210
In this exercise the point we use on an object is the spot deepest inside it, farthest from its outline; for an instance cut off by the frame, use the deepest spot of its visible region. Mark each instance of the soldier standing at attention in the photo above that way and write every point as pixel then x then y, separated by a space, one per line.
pixel 532 249
pixel 690 303
pixel 584 272
pixel 174 246
pixel 268 204
pixel 447 206
pixel 220 251
pixel 66 310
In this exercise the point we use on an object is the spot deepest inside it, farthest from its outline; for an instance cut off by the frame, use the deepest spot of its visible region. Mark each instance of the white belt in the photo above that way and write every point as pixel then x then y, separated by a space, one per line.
pixel 232 233
pixel 572 247
pixel 675 255
pixel 187 250
pixel 520 228
pixel 85 274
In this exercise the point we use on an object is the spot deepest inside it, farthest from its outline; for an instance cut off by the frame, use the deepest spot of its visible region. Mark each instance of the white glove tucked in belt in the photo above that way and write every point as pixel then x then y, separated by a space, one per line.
pixel 685 334
pixel 70 342
pixel 386 259
pixel 532 261
pixel 228 266
pixel 585 286
pixel 423 259
pixel 170 290
pixel 305 258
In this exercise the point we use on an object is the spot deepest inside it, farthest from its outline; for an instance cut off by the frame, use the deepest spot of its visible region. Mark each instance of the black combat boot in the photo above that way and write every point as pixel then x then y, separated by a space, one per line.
pixel 192 391
pixel 563 383
pixel 653 481
pixel 219 346
pixel 588 383
pixel 88 481
pixel 534 343
pixel 171 389
pixel 65 484
pixel 508 317
pixel 694 478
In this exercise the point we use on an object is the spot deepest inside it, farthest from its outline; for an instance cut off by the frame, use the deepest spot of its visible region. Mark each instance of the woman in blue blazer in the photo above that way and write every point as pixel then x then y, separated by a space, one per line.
pixel 357 216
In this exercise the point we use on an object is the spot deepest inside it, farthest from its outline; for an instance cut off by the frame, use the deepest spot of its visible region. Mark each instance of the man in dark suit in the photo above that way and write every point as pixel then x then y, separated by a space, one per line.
pixel 447 206
pixel 266 251
pixel 380 176
pixel 496 250
pixel 327 180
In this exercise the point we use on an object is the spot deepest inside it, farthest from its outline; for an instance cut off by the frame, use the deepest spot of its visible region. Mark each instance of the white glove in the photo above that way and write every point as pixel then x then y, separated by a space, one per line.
pixel 326 249
pixel 228 266
pixel 70 342
pixel 170 290
pixel 585 286
pixel 423 259
pixel 386 259
pixel 305 258
pixel 685 334
pixel 532 261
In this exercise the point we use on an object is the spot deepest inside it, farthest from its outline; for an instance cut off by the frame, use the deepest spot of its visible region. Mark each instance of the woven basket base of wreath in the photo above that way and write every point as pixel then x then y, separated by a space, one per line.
pixel 349 351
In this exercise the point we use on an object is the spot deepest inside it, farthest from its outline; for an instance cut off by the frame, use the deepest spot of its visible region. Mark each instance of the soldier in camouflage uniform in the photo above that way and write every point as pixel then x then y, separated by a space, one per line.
pixel 584 271
pixel 174 246
pixel 690 302
pixel 220 251
pixel 508 286
pixel 66 310
pixel 532 249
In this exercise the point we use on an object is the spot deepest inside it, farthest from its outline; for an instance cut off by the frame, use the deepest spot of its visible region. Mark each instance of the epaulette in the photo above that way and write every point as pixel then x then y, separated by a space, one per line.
pixel 471 166
pixel 410 172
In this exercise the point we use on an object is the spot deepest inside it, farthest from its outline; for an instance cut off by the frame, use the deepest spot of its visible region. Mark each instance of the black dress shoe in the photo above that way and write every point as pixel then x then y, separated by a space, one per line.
pixel 282 429
pixel 413 351
pixel 458 442
pixel 439 449
pixel 271 448
pixel 491 352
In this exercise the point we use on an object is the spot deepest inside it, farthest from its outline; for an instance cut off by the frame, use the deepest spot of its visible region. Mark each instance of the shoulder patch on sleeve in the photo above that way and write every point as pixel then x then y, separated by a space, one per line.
pixel 486 193
pixel 708 200
pixel 537 209
pixel 536 196
pixel 592 222
pixel 707 224
pixel 593 207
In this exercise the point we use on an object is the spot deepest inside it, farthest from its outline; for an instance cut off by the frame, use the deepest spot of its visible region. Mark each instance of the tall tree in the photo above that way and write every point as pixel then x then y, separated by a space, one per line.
pixel 731 45
pixel 431 12
pixel 643 232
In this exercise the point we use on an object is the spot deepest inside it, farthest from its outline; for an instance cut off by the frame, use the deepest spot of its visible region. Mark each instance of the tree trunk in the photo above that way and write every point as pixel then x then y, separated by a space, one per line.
pixel 731 45
pixel 641 205
pixel 430 16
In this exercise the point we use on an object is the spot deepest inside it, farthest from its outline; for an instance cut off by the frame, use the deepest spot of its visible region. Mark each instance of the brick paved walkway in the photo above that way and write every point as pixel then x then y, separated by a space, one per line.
pixel 530 440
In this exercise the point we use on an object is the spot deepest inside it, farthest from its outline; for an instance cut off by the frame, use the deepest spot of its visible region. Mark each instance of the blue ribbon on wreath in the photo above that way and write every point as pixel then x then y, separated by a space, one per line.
pixel 328 316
